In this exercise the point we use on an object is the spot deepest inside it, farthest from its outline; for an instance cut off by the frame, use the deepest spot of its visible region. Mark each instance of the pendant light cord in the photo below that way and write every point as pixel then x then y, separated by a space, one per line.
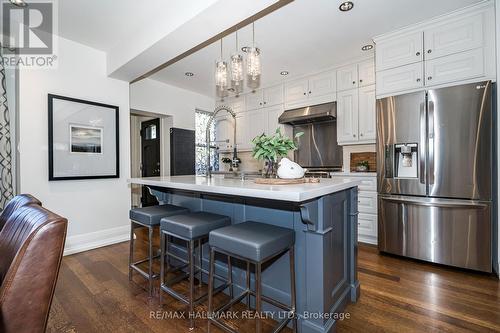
pixel 253 34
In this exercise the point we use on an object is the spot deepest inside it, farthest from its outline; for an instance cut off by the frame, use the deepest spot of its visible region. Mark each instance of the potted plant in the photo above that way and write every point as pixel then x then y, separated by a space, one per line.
pixel 270 148
pixel 362 166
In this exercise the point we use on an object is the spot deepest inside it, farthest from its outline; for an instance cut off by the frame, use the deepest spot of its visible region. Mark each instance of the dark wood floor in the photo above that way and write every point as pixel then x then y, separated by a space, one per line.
pixel 93 294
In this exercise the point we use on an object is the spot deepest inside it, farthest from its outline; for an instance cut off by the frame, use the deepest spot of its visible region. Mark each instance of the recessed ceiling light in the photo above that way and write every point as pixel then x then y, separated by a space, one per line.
pixel 18 3
pixel 284 73
pixel 367 47
pixel 189 74
pixel 346 6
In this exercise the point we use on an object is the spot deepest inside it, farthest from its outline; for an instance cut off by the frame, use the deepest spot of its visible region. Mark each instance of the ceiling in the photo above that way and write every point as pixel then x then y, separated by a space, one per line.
pixel 102 24
pixel 306 36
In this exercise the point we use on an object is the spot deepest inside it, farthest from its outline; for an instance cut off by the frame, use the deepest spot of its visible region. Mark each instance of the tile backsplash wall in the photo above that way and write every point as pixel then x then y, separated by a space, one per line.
pixel 354 149
pixel 248 163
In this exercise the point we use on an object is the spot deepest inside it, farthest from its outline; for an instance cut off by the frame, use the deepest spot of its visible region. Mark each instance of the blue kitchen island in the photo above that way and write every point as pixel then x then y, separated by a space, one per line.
pixel 324 217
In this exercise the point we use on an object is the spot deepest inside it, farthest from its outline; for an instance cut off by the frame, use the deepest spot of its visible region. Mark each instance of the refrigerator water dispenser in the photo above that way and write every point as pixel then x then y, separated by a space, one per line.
pixel 406 160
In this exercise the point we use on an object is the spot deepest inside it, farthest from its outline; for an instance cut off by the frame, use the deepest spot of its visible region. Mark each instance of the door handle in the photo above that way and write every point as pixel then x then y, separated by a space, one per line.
pixel 436 202
pixel 423 145
pixel 430 110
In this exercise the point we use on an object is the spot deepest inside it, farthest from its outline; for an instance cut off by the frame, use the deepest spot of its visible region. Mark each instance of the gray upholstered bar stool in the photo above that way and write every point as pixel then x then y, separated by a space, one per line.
pixel 148 217
pixel 193 228
pixel 254 243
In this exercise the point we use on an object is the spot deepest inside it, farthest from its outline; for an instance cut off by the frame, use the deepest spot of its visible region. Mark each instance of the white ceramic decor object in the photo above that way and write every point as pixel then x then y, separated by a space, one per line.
pixel 290 170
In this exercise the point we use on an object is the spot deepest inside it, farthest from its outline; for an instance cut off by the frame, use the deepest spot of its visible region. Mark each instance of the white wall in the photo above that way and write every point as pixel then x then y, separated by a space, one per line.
pixel 497 22
pixel 97 210
pixel 157 97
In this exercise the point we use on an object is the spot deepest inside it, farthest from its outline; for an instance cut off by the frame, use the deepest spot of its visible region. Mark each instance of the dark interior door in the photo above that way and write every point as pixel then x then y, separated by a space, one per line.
pixel 182 152
pixel 150 161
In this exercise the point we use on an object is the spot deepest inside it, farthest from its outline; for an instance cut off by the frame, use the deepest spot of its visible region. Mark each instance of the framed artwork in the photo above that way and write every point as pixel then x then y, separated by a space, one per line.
pixel 83 139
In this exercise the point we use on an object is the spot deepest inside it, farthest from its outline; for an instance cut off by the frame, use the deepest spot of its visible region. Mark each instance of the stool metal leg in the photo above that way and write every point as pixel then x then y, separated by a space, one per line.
pixel 230 277
pixel 248 285
pixel 150 265
pixel 258 297
pixel 200 261
pixel 292 287
pixel 211 266
pixel 131 254
pixel 162 264
pixel 191 257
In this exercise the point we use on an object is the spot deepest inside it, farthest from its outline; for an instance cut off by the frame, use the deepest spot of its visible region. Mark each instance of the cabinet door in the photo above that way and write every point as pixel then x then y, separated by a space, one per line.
pixel 296 92
pixel 322 84
pixel 456 67
pixel 242 124
pixel 367 128
pixel 400 79
pixel 273 95
pixel 366 73
pixel 347 77
pixel 254 100
pixel 454 36
pixel 256 125
pixel 399 51
pixel 237 104
pixel 273 113
pixel 224 132
pixel 347 116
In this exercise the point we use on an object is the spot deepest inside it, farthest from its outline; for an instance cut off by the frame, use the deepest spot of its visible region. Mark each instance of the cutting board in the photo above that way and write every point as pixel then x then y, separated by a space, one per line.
pixel 279 181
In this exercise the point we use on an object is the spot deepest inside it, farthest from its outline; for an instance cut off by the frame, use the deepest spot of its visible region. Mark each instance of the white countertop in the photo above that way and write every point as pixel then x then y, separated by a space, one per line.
pixel 247 188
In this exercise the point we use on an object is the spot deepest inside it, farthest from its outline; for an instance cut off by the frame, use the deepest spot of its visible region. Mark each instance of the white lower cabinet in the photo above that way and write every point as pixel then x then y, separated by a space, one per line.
pixel 367 207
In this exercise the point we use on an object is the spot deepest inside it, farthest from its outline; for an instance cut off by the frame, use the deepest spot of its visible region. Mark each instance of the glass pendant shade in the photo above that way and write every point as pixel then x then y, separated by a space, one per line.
pixel 221 76
pixel 236 71
pixel 253 63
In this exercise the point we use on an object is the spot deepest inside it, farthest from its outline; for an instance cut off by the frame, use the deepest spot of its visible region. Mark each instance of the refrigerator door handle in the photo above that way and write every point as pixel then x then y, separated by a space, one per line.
pixel 423 144
pixel 430 146
pixel 431 202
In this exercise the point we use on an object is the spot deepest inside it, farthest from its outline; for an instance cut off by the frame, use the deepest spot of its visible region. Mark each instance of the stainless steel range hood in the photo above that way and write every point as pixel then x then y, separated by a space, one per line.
pixel 310 114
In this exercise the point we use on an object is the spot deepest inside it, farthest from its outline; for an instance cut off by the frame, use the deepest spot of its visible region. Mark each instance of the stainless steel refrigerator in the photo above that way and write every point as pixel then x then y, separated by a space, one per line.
pixel 435 154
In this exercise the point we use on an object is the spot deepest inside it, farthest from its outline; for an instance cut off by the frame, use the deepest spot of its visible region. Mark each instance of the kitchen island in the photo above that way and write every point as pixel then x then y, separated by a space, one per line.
pixel 324 217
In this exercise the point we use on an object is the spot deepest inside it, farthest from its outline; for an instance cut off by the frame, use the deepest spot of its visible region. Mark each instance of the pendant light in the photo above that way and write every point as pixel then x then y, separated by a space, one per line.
pixel 253 60
pixel 236 64
pixel 221 75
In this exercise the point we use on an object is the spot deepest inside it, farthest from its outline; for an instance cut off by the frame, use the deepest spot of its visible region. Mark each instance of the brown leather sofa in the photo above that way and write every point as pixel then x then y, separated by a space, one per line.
pixel 31 249
pixel 16 202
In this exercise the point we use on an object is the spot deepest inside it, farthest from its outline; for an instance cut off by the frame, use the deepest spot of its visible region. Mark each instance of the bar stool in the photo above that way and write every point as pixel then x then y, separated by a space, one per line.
pixel 254 243
pixel 148 217
pixel 192 228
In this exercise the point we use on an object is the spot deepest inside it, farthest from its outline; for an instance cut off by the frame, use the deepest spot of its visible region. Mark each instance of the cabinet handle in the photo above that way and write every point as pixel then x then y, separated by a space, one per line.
pixel 309 92
pixel 260 103
pixel 429 78
pixel 354 135
pixel 305 94
pixel 360 134
pixel 353 82
pixel 417 54
pixel 360 80
pixel 265 103
pixel 429 51
pixel 418 80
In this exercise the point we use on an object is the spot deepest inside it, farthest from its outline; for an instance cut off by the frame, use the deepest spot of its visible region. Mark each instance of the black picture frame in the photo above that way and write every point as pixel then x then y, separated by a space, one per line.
pixel 51 98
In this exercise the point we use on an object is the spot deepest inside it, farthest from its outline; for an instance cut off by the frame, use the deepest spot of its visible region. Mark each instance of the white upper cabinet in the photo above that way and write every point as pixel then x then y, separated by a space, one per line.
pixel 254 100
pixel 366 73
pixel 224 132
pixel 460 66
pixel 451 49
pixel 315 89
pixel 400 79
pixel 273 95
pixel 237 104
pixel 347 77
pixel 322 84
pixel 347 116
pixel 264 97
pixel 399 51
pixel 454 36
pixel 367 123
pixel 273 113
pixel 296 92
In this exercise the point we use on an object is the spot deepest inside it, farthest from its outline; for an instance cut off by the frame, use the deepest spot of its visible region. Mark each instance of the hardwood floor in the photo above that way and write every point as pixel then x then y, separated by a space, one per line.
pixel 93 294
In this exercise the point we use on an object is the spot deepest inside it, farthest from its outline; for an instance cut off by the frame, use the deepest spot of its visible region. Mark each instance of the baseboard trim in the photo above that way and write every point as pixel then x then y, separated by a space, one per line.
pixel 96 239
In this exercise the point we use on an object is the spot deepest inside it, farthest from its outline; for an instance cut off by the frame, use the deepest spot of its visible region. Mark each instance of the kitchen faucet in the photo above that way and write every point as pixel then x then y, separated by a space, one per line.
pixel 235 159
